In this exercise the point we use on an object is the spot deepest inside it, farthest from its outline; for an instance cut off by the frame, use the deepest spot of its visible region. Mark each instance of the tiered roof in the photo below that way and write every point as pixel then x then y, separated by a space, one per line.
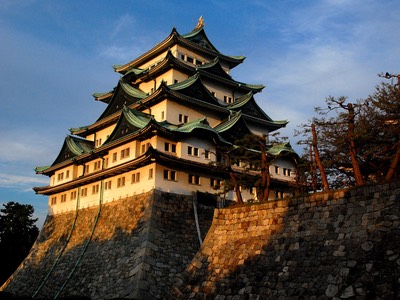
pixel 126 102
pixel 197 41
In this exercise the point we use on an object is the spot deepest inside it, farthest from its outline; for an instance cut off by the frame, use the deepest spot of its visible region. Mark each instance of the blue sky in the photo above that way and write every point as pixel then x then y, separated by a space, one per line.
pixel 55 54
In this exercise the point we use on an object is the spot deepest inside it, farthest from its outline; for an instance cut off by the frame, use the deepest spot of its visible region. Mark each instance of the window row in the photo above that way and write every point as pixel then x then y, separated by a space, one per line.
pixel 228 99
pixel 190 59
pixel 135 178
pixel 123 154
pixel 60 176
pixel 285 171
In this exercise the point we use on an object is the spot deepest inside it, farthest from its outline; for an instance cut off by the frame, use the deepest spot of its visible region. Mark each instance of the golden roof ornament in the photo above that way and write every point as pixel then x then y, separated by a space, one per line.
pixel 200 23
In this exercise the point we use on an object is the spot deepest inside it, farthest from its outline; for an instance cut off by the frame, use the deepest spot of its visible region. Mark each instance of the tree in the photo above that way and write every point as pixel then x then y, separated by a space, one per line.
pixel 250 159
pixel 360 142
pixel 252 154
pixel 18 232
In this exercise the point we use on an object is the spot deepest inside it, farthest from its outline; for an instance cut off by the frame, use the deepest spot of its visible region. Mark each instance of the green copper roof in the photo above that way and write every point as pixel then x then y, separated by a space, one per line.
pixel 136 118
pixel 199 37
pixel 41 169
pixel 132 91
pixel 194 87
pixel 228 123
pixel 248 106
pixel 73 146
pixel 190 126
pixel 202 125
pixel 77 145
pixel 185 83
pixel 279 149
pixel 135 71
pixel 214 67
pixel 130 121
pixel 98 95
pixel 115 67
pixel 76 129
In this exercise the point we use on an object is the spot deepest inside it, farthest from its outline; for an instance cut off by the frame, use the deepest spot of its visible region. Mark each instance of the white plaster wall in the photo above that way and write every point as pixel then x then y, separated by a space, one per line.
pixel 103 134
pixel 158 109
pixel 202 145
pixel 173 109
pixel 281 164
pixel 114 194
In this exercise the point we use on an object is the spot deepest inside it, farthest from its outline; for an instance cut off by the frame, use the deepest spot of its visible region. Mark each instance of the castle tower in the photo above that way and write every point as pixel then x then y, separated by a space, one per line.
pixel 124 215
pixel 164 121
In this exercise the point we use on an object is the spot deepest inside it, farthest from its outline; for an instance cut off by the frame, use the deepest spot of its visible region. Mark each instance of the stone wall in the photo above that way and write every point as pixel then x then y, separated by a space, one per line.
pixel 134 250
pixel 339 245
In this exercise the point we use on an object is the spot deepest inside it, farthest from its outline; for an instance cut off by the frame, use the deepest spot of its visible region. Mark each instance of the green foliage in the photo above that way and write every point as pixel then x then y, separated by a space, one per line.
pixel 18 232
pixel 376 136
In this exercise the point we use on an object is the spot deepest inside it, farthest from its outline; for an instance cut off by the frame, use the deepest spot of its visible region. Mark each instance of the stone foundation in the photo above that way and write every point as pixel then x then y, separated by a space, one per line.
pixel 339 245
pixel 137 248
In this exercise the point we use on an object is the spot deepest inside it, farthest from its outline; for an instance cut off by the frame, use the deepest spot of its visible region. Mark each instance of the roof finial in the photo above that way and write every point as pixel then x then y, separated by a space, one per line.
pixel 200 23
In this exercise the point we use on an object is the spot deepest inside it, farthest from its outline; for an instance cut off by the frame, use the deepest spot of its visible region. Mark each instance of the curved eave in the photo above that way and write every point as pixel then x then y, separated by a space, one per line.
pixel 78 130
pixel 151 129
pixel 169 61
pixel 214 67
pixel 103 97
pixel 105 121
pixel 172 39
pixel 150 156
pixel 271 125
pixel 240 86
pixel 195 102
pixel 131 119
pixel 196 82
pixel 231 60
pixel 227 124
pixel 132 91
pixel 200 32
pixel 241 101
pixel 200 127
pixel 160 47
pixel 283 150
pixel 95 176
pixel 72 145
pixel 41 169
pixel 249 99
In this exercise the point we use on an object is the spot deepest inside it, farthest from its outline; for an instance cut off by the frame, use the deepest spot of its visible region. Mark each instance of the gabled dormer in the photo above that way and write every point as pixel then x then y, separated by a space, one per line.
pixel 125 95
pixel 195 41
pixel 247 105
pixel 233 128
pixel 201 128
pixel 193 87
pixel 130 121
pixel 72 148
pixel 253 114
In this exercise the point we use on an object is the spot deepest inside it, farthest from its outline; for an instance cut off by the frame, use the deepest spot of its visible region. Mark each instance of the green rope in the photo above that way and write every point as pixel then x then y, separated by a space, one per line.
pixel 86 245
pixel 62 250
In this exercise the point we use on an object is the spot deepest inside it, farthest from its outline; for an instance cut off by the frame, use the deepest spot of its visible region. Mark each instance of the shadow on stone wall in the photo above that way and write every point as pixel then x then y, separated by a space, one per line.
pixel 343 244
pixel 138 247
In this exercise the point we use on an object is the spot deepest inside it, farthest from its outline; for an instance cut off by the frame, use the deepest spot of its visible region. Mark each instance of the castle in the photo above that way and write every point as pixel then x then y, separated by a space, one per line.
pixel 124 221
pixel 171 111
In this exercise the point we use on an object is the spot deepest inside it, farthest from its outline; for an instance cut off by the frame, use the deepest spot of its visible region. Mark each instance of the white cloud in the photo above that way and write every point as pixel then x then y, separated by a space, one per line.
pixel 21 182
pixel 120 53
pixel 122 25
pixel 336 49
pixel 25 146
